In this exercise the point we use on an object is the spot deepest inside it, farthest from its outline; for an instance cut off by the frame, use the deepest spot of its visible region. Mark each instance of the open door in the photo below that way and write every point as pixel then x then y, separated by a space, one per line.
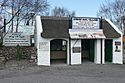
pixel 92 50
pixel 88 51
pixel 58 51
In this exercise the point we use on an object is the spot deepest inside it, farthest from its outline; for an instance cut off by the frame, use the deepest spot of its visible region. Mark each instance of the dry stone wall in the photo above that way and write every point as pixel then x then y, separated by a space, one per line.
pixel 11 53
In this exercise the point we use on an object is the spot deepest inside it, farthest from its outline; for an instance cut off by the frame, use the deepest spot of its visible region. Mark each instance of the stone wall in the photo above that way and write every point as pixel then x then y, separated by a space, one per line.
pixel 11 53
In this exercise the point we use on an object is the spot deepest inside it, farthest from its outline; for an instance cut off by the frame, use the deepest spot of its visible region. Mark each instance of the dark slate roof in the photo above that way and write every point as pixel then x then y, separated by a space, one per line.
pixel 55 27
pixel 109 31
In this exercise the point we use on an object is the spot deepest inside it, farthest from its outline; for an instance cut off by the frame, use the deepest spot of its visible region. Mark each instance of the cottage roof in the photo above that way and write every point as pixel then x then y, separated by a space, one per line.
pixel 109 31
pixel 58 27
pixel 55 27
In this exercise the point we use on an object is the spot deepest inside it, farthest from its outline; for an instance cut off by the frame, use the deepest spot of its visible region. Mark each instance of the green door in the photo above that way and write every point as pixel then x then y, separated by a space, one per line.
pixel 108 50
pixel 92 50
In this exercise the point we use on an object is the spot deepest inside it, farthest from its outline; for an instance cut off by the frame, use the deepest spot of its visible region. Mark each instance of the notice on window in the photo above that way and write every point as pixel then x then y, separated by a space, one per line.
pixel 117 46
pixel 76 49
pixel 44 46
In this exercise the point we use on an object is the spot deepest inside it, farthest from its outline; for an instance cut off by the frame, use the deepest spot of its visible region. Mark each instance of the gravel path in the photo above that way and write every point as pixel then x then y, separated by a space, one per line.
pixel 18 72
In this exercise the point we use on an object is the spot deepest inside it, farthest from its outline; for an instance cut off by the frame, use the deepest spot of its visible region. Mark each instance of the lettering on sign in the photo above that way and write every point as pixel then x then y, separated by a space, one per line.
pixel 14 39
pixel 85 22
pixel 28 30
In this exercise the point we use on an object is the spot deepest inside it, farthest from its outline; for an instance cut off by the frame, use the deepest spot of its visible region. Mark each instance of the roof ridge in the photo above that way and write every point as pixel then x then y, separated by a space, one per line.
pixel 55 18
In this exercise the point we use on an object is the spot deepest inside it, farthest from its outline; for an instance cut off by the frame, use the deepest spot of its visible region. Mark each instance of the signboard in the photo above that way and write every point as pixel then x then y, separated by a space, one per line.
pixel 117 46
pixel 44 46
pixel 27 30
pixel 14 39
pixel 86 33
pixel 84 22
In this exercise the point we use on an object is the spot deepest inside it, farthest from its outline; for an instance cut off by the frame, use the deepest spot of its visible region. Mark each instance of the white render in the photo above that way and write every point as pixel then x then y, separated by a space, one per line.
pixel 103 51
pixel 117 56
pixel 42 55
pixel 98 51
pixel 43 52
pixel 43 48
pixel 75 57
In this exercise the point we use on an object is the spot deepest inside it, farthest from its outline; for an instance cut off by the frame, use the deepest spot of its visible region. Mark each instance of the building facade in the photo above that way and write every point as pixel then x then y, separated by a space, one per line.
pixel 77 40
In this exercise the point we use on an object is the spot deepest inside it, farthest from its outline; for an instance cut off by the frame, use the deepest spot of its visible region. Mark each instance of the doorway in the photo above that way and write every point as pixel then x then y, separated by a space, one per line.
pixel 88 50
pixel 108 50
pixel 58 51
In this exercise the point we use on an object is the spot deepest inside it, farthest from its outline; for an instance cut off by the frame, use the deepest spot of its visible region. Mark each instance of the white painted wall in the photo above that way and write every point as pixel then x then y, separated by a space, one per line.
pixel 38 29
pixel 117 56
pixel 75 57
pixel 68 54
pixel 103 51
pixel 43 45
pixel 44 52
pixel 97 51
pixel 43 48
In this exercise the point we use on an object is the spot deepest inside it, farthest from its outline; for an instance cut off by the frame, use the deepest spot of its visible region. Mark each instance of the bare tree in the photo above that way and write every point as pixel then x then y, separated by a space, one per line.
pixel 114 10
pixel 62 12
pixel 22 10
pixel 17 12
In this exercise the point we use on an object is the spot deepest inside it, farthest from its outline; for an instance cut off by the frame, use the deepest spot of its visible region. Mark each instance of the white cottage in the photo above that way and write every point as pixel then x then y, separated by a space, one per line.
pixel 77 40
